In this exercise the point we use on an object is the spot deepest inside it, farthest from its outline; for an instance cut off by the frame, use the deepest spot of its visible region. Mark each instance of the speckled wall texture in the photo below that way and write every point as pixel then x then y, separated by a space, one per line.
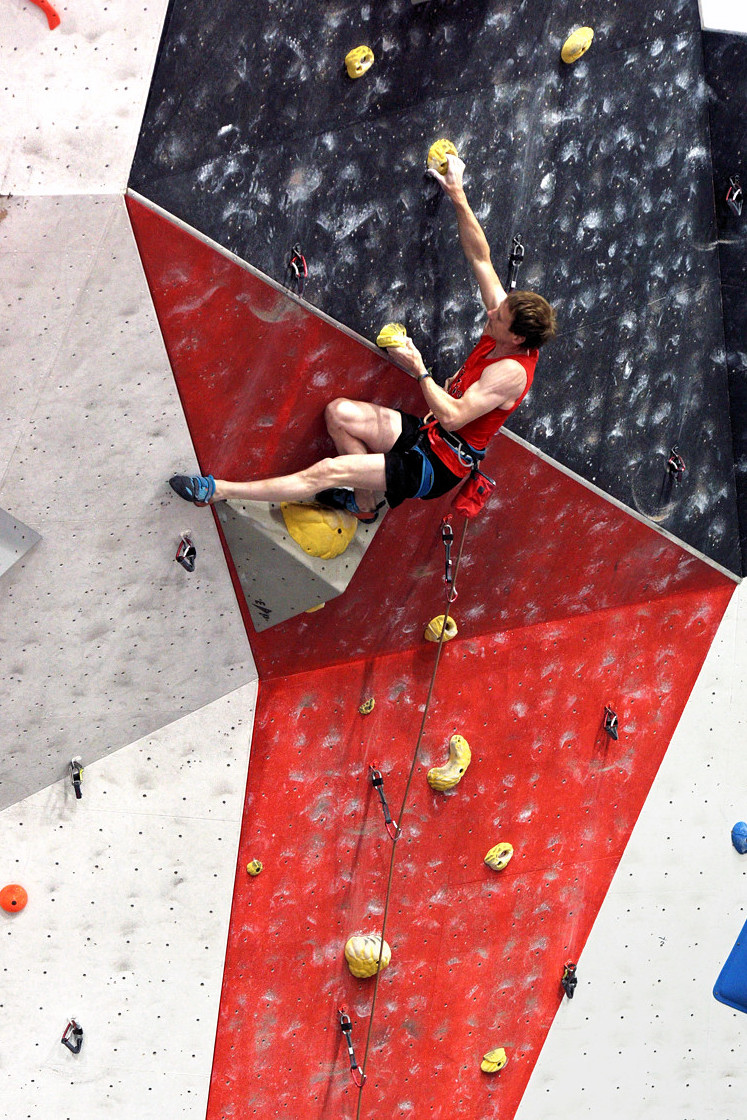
pixel 255 136
pixel 726 72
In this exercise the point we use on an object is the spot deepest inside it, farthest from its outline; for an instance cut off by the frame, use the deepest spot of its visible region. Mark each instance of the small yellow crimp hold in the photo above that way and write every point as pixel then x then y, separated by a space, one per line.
pixel 460 756
pixel 312 610
pixel 577 44
pixel 498 857
pixel 254 867
pixel 437 154
pixel 324 533
pixel 494 1060
pixel 436 625
pixel 391 336
pixel 367 706
pixel 358 61
pixel 362 954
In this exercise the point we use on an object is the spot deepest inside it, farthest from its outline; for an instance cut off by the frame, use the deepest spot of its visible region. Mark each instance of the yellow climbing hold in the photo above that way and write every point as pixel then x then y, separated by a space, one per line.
pixel 367 706
pixel 312 610
pixel 254 867
pixel 437 154
pixel 391 335
pixel 324 533
pixel 460 756
pixel 577 44
pixel 362 954
pixel 498 856
pixel 436 625
pixel 494 1060
pixel 358 61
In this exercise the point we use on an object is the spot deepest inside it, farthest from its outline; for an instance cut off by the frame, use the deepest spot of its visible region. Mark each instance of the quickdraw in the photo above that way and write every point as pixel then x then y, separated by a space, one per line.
pixel 296 271
pixel 377 781
pixel 186 553
pixel 569 979
pixel 515 257
pixel 610 722
pixel 675 463
pixel 76 776
pixel 735 195
pixel 347 1029
pixel 447 536
pixel 72 1030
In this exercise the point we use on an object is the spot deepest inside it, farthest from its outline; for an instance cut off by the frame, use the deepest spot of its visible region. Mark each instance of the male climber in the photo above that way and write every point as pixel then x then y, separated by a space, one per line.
pixel 382 450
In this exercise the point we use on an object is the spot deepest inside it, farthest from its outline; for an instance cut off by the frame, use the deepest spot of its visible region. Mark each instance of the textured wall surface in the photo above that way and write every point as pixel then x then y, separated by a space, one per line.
pixel 604 167
pixel 726 73
pixel 255 369
pixel 644 1035
pixel 125 928
pixel 477 957
pixel 72 99
pixel 104 637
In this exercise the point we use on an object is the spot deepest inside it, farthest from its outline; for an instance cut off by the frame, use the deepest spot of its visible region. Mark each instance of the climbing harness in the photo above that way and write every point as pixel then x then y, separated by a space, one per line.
pixel 735 195
pixel 675 464
pixel 186 553
pixel 72 1030
pixel 377 782
pixel 346 1027
pixel 296 271
pixel 610 722
pixel 462 459
pixel 569 979
pixel 395 838
pixel 515 257
pixel 76 776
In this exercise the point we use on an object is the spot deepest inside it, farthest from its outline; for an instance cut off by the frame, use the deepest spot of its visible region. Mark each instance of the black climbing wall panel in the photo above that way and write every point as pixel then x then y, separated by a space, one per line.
pixel 255 135
pixel 726 74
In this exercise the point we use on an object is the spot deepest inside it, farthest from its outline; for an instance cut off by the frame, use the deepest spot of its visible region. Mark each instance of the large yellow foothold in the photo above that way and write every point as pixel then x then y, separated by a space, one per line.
pixel 362 954
pixel 460 756
pixel 367 706
pixel 494 1060
pixel 358 61
pixel 391 336
pixel 436 625
pixel 437 154
pixel 577 44
pixel 499 856
pixel 320 532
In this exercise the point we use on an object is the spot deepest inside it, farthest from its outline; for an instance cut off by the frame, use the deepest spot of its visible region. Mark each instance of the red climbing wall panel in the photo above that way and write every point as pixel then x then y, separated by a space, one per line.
pixel 477 956
pixel 254 371
pixel 566 603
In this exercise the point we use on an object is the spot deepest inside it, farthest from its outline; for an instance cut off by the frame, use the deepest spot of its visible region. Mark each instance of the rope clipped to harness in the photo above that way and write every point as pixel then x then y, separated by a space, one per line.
pixel 346 1027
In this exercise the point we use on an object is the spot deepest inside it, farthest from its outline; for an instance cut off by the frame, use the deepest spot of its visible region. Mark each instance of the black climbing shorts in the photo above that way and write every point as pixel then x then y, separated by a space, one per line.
pixel 404 465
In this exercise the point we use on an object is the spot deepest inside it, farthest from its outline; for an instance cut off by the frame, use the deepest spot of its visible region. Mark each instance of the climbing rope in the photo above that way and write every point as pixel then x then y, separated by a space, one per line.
pixel 450 597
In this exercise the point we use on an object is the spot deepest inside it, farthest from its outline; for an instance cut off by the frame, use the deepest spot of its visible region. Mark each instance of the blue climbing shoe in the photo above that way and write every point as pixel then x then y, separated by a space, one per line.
pixel 195 488
pixel 340 498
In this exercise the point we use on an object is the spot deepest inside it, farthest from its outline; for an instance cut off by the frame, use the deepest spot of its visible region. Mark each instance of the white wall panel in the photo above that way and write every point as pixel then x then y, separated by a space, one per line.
pixel 724 15
pixel 72 99
pixel 643 1034
pixel 104 636
pixel 125 930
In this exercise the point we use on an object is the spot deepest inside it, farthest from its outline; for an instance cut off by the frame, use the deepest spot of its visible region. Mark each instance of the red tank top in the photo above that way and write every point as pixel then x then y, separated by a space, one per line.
pixel 477 432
